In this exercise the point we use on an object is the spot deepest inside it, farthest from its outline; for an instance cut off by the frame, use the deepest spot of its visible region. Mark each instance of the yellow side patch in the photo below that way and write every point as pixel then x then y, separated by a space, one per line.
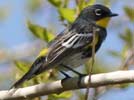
pixel 103 22
pixel 43 52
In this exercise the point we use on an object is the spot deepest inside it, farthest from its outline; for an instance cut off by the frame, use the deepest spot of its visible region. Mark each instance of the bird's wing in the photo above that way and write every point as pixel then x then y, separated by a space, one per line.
pixel 66 43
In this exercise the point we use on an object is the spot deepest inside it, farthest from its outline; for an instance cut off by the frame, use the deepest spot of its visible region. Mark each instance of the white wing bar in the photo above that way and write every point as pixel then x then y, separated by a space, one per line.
pixel 81 38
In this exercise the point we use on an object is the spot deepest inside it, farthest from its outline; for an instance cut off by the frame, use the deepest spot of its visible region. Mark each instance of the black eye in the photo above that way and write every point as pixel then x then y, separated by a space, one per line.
pixel 98 12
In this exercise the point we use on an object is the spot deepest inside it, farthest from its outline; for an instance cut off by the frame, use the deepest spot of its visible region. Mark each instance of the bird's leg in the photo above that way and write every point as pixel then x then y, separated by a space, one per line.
pixel 66 75
pixel 78 73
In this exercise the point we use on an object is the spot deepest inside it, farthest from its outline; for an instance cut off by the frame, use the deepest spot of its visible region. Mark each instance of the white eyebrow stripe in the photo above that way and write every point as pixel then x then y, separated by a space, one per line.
pixel 74 38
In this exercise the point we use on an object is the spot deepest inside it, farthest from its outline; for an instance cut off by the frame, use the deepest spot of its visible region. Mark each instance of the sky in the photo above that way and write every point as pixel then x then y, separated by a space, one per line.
pixel 14 33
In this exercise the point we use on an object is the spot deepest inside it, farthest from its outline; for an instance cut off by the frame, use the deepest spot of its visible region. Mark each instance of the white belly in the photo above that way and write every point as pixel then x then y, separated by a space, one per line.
pixel 74 61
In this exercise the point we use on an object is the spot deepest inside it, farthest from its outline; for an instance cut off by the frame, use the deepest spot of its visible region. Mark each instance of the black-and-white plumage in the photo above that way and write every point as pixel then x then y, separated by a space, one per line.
pixel 73 47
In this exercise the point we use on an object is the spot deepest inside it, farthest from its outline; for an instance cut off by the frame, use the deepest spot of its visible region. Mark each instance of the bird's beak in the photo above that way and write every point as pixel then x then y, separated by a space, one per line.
pixel 113 15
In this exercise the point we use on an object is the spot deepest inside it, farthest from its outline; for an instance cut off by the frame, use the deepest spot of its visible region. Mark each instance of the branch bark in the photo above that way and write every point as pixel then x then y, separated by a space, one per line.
pixel 59 86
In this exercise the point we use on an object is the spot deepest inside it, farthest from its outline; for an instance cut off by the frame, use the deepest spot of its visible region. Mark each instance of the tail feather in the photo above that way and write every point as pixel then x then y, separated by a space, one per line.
pixel 20 81
pixel 34 70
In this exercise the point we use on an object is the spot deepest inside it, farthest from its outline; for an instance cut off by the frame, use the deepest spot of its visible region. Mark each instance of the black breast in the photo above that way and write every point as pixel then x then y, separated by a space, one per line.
pixel 102 33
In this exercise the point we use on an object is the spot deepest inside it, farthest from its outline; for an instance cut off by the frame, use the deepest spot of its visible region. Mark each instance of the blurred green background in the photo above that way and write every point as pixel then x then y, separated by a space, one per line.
pixel 26 27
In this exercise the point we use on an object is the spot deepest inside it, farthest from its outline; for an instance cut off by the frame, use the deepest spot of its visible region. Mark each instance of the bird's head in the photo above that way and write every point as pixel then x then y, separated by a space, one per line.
pixel 97 13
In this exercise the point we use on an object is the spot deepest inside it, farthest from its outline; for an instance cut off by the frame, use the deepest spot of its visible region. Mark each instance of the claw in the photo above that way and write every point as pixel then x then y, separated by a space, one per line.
pixel 66 76
pixel 78 73
pixel 79 81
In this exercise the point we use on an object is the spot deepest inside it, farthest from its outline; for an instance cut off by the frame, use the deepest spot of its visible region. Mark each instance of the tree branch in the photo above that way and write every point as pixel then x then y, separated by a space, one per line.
pixel 57 87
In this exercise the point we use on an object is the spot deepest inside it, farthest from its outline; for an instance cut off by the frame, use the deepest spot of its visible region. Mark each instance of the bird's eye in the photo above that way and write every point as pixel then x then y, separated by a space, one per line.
pixel 98 12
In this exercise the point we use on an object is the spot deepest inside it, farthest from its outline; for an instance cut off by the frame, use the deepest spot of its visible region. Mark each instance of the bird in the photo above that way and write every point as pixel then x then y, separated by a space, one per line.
pixel 73 46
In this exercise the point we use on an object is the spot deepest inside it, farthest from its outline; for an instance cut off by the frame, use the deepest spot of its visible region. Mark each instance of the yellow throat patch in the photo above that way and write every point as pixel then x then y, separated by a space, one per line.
pixel 103 22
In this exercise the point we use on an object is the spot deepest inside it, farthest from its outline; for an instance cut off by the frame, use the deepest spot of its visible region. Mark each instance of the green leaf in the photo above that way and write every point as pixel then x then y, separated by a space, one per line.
pixel 64 95
pixel 56 3
pixel 4 13
pixel 84 3
pixel 43 52
pixel 129 12
pixel 34 5
pixel 127 37
pixel 114 53
pixel 90 2
pixel 23 66
pixel 67 14
pixel 124 52
pixel 81 4
pixel 125 85
pixel 40 32
pixel 99 66
pixel 106 2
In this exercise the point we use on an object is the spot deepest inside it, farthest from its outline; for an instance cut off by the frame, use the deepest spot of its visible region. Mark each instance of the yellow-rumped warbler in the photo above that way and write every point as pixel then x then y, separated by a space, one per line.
pixel 73 47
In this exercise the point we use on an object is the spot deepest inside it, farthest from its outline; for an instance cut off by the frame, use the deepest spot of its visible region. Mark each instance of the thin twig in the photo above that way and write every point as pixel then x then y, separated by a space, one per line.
pixel 128 61
pixel 92 62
